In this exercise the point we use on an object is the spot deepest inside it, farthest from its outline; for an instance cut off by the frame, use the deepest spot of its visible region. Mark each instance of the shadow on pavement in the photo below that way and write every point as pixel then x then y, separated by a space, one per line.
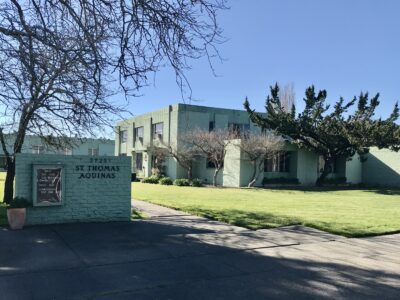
pixel 147 260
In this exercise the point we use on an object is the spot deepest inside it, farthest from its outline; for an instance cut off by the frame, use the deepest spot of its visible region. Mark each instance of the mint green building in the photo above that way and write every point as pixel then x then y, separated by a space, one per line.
pixel 137 136
pixel 87 146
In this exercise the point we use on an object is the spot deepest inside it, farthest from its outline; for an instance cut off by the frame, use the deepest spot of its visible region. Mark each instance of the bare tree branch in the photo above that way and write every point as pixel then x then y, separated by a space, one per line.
pixel 61 60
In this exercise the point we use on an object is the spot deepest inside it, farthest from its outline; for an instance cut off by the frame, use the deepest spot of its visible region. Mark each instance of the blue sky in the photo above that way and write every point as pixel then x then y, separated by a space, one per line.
pixel 342 46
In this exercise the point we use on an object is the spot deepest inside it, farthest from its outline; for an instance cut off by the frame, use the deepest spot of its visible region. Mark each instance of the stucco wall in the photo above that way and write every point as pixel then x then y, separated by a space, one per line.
pixel 307 167
pixel 354 170
pixel 205 174
pixel 382 167
pixel 232 165
pixel 178 119
pixel 86 199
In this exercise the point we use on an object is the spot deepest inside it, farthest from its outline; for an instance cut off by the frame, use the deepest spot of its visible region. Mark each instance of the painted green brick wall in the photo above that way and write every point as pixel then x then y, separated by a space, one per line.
pixel 86 200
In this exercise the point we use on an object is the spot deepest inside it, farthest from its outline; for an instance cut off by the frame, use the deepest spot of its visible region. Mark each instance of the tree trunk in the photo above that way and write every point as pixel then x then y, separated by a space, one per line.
pixel 9 183
pixel 254 176
pixel 190 173
pixel 325 172
pixel 215 176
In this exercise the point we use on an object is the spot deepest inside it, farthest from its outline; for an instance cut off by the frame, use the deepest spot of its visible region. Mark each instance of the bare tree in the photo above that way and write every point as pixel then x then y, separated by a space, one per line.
pixel 212 144
pixel 60 60
pixel 287 97
pixel 185 155
pixel 158 156
pixel 258 147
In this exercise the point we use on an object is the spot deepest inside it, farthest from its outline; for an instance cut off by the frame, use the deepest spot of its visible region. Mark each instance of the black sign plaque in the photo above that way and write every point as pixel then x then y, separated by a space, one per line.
pixel 48 185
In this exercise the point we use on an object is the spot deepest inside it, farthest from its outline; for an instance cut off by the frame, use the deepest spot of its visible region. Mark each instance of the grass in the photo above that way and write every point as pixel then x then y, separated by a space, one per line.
pixel 138 215
pixel 351 213
pixel 2 179
pixel 3 210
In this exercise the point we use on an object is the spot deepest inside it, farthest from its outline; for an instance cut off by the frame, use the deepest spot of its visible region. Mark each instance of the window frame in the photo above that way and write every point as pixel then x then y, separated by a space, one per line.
pixel 211 165
pixel 137 155
pixel 38 149
pixel 123 136
pixel 279 163
pixel 93 151
pixel 137 131
pixel 211 126
pixel 155 132
pixel 239 129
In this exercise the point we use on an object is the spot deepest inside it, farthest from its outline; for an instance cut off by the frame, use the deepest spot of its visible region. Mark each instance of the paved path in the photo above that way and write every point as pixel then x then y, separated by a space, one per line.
pixel 173 255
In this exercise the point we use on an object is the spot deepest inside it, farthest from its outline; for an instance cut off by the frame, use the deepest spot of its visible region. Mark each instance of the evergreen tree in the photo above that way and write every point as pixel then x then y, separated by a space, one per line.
pixel 331 133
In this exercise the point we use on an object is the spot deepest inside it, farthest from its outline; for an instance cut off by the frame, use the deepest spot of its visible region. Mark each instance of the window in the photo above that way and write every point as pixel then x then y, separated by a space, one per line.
pixel 123 136
pixel 333 168
pixel 278 163
pixel 211 164
pixel 211 126
pixel 139 161
pixel 239 130
pixel 139 133
pixel 93 151
pixel 67 151
pixel 37 149
pixel 158 129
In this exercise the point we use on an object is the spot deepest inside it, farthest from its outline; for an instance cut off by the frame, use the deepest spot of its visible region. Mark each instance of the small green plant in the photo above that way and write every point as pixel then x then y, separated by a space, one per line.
pixel 19 202
pixel 166 181
pixel 280 180
pixel 138 215
pixel 196 182
pixel 182 182
pixel 152 179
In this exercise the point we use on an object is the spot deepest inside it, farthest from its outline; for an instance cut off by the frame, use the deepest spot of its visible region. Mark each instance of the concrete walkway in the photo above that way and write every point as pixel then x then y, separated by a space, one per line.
pixel 173 255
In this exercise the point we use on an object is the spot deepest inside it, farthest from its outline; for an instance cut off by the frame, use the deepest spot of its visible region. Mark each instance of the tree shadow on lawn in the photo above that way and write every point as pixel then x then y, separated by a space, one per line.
pixel 373 189
pixel 259 220
pixel 251 220
pixel 389 192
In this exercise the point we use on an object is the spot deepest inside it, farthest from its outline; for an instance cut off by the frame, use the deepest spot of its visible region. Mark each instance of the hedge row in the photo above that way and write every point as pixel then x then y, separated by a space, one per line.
pixel 168 181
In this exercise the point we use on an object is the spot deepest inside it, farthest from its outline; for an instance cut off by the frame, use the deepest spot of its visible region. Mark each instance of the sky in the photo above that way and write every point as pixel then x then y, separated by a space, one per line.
pixel 342 46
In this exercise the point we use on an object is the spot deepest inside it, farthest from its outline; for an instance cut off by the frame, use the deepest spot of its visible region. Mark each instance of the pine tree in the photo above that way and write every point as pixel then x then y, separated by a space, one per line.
pixel 331 133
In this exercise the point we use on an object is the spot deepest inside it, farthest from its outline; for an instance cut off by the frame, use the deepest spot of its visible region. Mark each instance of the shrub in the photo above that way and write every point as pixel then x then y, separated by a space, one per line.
pixel 152 179
pixel 182 182
pixel 196 182
pixel 165 181
pixel 19 202
pixel 280 180
pixel 338 180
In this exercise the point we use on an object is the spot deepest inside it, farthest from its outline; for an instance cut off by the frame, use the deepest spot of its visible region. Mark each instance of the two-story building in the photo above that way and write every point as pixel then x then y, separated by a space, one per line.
pixel 137 136
pixel 73 146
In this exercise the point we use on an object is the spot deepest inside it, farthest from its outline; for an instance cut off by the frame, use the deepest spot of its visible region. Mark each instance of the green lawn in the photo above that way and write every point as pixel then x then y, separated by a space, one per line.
pixel 3 211
pixel 351 213
pixel 2 178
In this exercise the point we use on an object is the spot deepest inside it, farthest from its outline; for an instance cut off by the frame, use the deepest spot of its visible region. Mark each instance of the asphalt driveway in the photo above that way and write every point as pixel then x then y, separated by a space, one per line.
pixel 173 255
